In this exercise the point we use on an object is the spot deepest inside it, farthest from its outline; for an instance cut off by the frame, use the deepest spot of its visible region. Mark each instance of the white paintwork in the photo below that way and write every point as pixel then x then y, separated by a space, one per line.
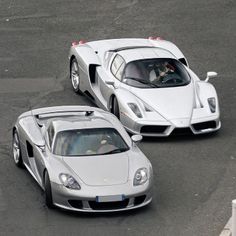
pixel 136 138
pixel 176 107
pixel 210 74
pixel 234 217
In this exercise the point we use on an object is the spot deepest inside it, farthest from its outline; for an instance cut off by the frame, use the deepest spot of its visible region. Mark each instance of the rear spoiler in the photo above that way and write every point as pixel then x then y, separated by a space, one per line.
pixel 60 114
pixel 59 111
pixel 130 47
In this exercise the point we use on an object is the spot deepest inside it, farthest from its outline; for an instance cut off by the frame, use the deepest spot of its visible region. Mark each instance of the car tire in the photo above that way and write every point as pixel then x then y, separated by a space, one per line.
pixel 48 191
pixel 74 76
pixel 16 150
pixel 115 108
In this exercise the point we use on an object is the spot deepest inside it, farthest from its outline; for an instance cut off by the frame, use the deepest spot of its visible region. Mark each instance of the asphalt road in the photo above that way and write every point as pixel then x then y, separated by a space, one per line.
pixel 195 177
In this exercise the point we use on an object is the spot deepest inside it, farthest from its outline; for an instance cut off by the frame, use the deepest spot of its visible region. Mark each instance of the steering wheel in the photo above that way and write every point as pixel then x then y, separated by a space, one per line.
pixel 171 80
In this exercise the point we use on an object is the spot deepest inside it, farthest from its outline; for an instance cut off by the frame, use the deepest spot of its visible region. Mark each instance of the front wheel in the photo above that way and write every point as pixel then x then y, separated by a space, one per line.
pixel 74 76
pixel 16 150
pixel 48 191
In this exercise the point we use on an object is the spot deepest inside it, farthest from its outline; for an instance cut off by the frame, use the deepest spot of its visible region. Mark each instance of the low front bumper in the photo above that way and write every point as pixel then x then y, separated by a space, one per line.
pixel 163 129
pixel 76 200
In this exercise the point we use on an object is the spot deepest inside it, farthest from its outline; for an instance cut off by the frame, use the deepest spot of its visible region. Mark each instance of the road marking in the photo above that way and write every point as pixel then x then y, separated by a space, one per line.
pixel 227 229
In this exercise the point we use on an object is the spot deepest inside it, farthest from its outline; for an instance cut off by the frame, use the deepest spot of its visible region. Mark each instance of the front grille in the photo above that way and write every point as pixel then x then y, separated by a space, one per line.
pixel 108 205
pixel 76 203
pixel 182 131
pixel 153 129
pixel 139 200
pixel 204 125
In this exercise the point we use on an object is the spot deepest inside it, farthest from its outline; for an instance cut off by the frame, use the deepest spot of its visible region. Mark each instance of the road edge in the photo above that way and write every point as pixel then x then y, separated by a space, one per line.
pixel 227 229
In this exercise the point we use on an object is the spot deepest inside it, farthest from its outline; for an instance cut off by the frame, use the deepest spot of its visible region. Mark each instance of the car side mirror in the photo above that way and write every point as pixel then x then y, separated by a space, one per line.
pixel 42 148
pixel 109 82
pixel 136 138
pixel 210 74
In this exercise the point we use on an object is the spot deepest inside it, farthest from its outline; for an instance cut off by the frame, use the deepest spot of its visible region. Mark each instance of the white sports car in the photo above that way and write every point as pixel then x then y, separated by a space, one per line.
pixel 147 84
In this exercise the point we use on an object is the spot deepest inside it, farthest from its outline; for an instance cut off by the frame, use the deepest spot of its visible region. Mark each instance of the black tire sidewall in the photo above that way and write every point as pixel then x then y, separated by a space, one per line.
pixel 48 191
pixel 20 162
pixel 76 90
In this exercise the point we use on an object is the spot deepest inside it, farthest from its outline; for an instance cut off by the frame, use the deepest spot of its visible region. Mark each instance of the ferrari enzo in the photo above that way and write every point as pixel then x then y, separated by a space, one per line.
pixel 83 159
pixel 147 84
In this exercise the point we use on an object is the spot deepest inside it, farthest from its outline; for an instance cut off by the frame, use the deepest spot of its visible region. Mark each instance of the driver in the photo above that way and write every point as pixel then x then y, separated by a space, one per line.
pixel 159 71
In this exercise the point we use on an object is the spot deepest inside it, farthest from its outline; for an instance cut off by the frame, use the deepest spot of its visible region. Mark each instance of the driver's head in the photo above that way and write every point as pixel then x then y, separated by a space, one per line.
pixel 162 66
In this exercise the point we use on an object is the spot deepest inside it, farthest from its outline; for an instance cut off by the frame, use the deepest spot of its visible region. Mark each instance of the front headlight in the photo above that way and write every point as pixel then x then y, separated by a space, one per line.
pixel 135 109
pixel 69 182
pixel 141 176
pixel 212 104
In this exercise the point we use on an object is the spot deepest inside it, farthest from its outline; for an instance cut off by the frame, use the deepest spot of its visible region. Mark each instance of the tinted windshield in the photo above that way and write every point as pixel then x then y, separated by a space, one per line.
pixel 155 73
pixel 89 142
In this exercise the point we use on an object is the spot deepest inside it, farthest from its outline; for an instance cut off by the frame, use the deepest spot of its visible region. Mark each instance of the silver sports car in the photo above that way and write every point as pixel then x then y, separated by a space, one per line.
pixel 147 84
pixel 83 159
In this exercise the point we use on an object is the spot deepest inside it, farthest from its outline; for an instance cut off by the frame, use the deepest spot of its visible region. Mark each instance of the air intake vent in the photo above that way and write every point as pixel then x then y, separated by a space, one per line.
pixel 153 129
pixel 182 131
pixel 108 205
pixel 204 125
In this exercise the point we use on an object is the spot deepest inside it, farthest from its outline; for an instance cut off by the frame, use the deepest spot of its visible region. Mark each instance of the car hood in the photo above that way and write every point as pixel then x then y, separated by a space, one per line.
pixel 171 103
pixel 101 170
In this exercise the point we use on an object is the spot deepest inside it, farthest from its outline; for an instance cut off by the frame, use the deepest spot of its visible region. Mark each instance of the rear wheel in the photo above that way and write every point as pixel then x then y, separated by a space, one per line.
pixel 48 191
pixel 115 108
pixel 75 76
pixel 16 150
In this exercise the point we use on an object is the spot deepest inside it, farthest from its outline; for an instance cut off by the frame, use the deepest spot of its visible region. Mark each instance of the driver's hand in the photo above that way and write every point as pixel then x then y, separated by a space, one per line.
pixel 162 74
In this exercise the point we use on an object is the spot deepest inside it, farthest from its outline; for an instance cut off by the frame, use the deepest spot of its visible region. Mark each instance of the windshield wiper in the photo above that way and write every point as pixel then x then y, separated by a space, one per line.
pixel 117 150
pixel 143 81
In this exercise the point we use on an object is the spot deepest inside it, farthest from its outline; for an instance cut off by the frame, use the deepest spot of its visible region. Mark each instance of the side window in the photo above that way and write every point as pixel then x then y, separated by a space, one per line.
pixel 51 133
pixel 119 73
pixel 117 66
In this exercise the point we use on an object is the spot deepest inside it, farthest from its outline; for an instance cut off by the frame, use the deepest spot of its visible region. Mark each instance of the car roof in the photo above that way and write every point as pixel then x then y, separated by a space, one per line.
pixel 135 46
pixel 79 122
pixel 145 53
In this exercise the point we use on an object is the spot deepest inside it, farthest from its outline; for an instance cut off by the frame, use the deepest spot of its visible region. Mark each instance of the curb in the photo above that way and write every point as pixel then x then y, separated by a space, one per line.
pixel 227 229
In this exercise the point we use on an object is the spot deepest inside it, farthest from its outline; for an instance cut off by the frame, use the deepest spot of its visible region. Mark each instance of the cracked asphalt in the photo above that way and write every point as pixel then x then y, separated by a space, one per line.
pixel 195 177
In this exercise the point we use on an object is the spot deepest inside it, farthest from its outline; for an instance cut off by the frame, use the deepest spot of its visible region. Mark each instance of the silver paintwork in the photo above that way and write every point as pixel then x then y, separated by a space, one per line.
pixel 103 175
pixel 177 107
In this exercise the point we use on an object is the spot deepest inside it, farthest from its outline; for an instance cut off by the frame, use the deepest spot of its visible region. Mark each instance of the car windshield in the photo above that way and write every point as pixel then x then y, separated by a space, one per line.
pixel 156 73
pixel 89 142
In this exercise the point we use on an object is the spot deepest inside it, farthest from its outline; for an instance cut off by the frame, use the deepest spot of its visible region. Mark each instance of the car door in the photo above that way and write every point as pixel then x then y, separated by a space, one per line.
pixel 31 146
pixel 113 74
pixel 34 156
pixel 41 153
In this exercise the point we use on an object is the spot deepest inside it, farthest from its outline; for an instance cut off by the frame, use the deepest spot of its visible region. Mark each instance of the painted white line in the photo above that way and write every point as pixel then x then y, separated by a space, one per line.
pixel 227 229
